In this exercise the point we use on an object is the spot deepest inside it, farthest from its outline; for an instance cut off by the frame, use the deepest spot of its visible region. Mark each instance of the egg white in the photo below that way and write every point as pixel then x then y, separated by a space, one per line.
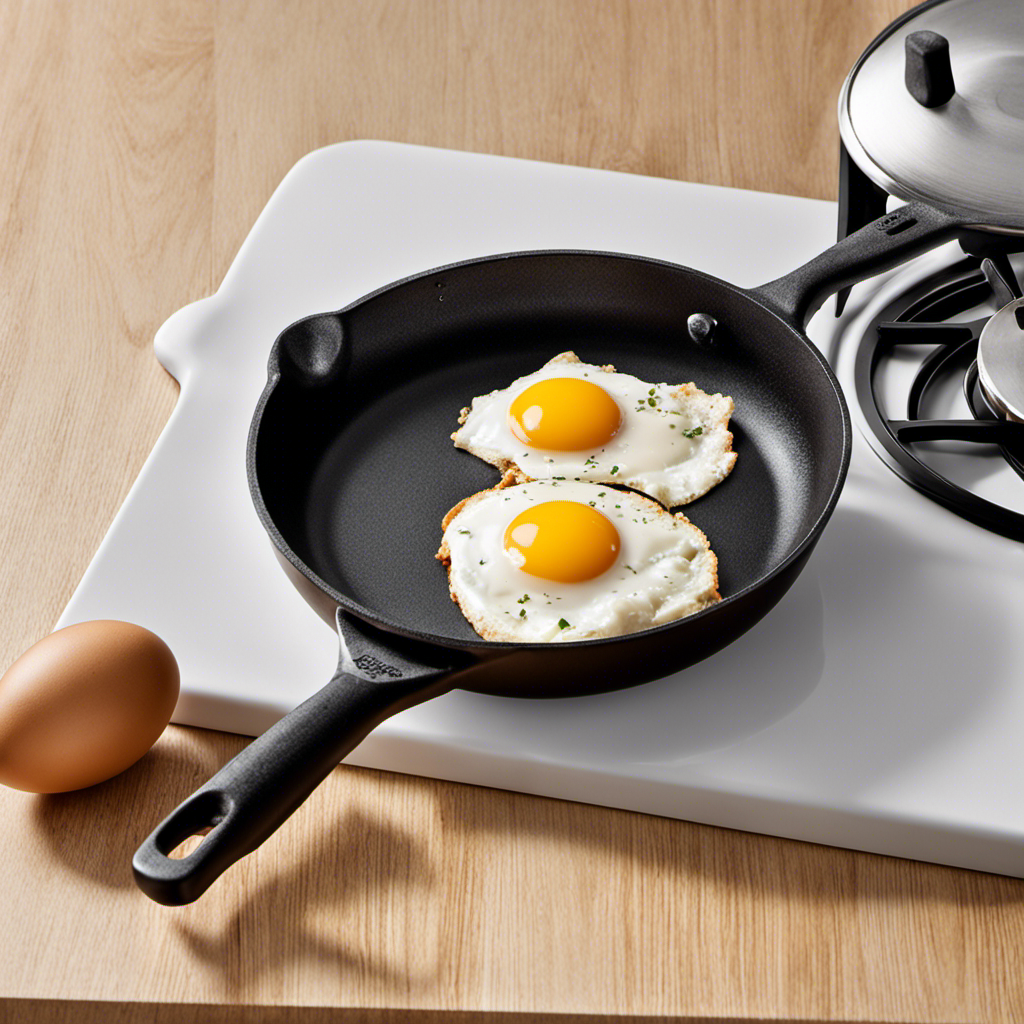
pixel 674 443
pixel 665 568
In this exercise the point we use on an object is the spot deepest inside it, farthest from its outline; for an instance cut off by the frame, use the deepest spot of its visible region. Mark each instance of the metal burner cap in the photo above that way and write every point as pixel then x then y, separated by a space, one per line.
pixel 1001 360
pixel 934 109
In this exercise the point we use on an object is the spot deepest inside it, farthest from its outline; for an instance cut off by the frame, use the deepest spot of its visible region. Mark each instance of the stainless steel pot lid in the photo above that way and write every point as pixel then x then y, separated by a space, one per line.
pixel 958 145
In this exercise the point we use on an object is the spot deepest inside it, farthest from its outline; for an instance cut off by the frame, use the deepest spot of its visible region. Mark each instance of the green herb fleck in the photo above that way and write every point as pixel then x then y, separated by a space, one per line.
pixel 522 613
pixel 631 569
pixel 523 599
pixel 651 392
pixel 696 432
pixel 615 470
pixel 651 401
pixel 562 624
pixel 466 532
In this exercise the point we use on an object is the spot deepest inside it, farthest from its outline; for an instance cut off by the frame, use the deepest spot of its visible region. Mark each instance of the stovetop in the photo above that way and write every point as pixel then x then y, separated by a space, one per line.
pixel 878 706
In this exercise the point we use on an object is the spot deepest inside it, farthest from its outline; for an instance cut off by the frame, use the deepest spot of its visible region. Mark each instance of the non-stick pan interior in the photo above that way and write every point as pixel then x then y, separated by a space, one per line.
pixel 354 458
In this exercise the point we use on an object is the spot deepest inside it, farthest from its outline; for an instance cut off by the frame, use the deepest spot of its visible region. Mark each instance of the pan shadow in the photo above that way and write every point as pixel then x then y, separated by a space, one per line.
pixel 254 935
pixel 890 694
pixel 272 929
pixel 96 831
pixel 900 689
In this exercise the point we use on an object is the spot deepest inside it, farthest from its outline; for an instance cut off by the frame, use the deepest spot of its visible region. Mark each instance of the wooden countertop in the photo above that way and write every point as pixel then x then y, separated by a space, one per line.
pixel 140 143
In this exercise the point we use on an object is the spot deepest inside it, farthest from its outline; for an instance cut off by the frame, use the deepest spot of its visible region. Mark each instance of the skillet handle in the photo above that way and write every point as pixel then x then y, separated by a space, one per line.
pixel 253 794
pixel 880 245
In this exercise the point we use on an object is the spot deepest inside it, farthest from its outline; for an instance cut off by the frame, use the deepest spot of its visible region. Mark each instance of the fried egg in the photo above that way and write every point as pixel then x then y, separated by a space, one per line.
pixel 549 560
pixel 577 421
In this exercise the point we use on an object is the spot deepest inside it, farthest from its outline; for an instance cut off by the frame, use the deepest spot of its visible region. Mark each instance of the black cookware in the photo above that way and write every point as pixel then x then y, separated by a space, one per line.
pixel 351 469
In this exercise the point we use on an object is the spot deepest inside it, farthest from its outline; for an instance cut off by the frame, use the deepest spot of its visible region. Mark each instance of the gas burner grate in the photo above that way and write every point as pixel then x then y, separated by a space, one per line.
pixel 918 318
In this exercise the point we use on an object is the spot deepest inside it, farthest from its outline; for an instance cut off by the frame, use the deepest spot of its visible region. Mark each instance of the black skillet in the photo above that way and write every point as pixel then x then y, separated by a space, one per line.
pixel 351 469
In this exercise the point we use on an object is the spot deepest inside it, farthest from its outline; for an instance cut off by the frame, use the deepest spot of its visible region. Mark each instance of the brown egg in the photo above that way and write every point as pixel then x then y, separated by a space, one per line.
pixel 83 704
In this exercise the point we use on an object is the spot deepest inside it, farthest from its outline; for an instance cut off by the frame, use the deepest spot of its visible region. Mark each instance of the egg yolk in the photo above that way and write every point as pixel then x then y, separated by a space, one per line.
pixel 564 414
pixel 564 541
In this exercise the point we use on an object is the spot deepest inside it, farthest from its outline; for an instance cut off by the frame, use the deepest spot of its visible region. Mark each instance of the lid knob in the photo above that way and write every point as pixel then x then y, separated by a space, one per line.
pixel 929 76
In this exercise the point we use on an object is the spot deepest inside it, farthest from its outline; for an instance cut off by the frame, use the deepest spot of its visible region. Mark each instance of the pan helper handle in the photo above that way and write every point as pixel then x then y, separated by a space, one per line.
pixel 884 243
pixel 253 794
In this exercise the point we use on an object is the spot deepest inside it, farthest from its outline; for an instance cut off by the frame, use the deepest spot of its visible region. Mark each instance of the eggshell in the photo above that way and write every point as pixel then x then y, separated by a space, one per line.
pixel 83 704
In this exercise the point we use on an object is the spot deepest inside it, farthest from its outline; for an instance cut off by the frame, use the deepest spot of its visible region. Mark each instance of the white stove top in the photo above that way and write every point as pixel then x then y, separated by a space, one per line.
pixel 879 706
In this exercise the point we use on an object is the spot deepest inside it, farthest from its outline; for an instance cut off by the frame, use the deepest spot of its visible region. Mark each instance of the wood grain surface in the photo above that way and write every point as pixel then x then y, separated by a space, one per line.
pixel 140 141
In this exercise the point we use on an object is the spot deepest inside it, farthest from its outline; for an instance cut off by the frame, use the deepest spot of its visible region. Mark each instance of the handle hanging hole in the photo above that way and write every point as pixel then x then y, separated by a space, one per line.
pixel 190 844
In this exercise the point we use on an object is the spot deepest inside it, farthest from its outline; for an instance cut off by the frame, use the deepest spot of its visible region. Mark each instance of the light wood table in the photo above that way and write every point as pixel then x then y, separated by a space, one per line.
pixel 140 141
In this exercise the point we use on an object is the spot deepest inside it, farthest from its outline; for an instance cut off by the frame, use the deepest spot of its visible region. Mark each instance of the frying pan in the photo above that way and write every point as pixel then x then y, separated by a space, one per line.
pixel 351 469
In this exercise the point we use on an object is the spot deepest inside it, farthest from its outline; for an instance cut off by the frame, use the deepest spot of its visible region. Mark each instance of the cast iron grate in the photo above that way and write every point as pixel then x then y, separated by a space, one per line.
pixel 919 318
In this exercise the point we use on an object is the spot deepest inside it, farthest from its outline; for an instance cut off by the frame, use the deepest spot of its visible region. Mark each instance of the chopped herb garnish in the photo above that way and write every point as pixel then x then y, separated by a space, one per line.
pixel 592 504
pixel 522 613
pixel 629 567
pixel 558 478
pixel 601 494
pixel 523 599
pixel 562 624
pixel 615 470
pixel 696 432
pixel 465 531
pixel 651 401
pixel 651 392
pixel 482 562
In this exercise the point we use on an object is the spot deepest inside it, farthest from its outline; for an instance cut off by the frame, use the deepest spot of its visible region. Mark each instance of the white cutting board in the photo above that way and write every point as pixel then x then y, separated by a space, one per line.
pixel 816 725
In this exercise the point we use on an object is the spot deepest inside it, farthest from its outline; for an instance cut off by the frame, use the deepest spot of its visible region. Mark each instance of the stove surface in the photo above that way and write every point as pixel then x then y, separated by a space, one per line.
pixel 877 707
